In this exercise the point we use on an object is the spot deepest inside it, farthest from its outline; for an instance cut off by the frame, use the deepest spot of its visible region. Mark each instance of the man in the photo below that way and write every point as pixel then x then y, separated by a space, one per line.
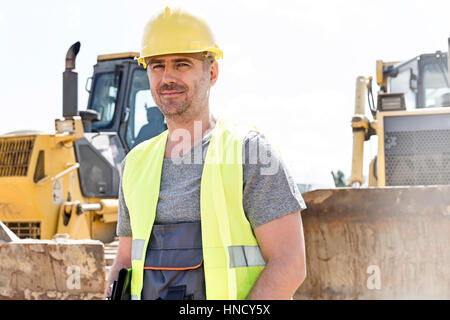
pixel 207 209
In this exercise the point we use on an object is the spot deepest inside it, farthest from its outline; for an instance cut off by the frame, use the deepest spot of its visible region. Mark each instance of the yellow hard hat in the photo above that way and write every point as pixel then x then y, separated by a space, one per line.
pixel 175 31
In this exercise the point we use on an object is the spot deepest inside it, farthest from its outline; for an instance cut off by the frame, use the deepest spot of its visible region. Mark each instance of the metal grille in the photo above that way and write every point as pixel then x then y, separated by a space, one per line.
pixel 15 155
pixel 417 157
pixel 25 229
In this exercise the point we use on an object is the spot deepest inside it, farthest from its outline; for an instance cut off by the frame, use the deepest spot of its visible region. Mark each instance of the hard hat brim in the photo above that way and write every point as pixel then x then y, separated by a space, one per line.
pixel 217 53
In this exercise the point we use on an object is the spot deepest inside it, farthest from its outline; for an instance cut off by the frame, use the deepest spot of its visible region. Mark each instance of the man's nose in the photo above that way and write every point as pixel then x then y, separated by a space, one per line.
pixel 168 75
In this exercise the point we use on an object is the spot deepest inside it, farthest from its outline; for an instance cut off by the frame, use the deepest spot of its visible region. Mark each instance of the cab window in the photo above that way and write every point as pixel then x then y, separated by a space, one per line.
pixel 145 120
pixel 401 83
pixel 104 98
pixel 435 84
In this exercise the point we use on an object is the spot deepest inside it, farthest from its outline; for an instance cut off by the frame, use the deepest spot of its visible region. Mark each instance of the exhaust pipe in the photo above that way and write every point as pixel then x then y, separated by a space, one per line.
pixel 70 83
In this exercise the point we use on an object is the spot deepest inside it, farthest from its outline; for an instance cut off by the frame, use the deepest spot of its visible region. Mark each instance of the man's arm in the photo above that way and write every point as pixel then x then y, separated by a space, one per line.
pixel 282 245
pixel 123 260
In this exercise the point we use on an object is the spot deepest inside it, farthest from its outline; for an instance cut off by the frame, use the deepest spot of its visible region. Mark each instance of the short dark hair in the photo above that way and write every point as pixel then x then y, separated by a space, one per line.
pixel 208 61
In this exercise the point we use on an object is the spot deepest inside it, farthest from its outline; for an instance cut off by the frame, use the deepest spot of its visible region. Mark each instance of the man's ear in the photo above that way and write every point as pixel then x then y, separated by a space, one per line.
pixel 213 72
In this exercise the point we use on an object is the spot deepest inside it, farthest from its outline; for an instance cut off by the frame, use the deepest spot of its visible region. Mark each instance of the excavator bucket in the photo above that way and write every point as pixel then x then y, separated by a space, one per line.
pixel 377 243
pixel 50 269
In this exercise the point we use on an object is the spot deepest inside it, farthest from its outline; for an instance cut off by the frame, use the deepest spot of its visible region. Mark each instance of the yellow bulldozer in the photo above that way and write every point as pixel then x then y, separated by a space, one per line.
pixel 391 238
pixel 66 182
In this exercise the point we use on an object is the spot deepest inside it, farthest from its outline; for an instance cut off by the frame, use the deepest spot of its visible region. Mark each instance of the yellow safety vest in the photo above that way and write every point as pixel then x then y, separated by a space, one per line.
pixel 232 258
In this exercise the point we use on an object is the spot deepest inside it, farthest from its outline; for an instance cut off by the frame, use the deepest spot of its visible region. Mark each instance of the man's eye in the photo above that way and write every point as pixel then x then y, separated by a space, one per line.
pixel 182 64
pixel 157 66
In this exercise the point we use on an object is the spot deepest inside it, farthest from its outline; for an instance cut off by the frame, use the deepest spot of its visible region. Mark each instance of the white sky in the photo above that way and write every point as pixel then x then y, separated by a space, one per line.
pixel 289 67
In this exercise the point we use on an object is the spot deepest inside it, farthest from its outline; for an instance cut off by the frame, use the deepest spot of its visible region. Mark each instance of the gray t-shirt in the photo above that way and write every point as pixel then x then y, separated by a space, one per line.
pixel 269 190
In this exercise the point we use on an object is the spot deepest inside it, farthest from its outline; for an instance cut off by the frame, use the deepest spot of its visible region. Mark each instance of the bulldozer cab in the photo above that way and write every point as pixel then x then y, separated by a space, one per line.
pixel 120 114
pixel 422 79
pixel 120 93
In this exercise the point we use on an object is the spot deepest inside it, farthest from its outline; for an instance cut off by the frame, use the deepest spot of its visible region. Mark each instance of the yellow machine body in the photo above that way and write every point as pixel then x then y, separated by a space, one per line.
pixel 40 192
pixel 382 139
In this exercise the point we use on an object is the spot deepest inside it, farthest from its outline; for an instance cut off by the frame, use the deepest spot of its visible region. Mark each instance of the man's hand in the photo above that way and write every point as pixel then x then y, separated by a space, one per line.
pixel 123 260
pixel 282 245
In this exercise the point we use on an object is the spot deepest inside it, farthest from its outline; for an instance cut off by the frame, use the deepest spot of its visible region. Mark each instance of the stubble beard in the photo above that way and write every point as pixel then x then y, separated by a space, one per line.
pixel 175 109
pixel 185 109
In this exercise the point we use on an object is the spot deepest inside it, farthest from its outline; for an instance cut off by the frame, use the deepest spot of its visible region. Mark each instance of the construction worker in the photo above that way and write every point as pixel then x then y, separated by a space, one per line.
pixel 203 214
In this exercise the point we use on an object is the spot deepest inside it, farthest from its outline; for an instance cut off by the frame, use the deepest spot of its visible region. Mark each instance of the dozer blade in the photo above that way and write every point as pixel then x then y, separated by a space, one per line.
pixel 377 243
pixel 51 269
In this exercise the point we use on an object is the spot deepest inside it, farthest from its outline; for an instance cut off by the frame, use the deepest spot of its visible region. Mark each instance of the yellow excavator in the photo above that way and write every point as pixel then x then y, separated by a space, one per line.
pixel 388 237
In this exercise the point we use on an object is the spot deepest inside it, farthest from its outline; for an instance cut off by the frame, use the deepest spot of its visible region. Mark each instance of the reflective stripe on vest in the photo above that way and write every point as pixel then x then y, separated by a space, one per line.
pixel 245 256
pixel 232 258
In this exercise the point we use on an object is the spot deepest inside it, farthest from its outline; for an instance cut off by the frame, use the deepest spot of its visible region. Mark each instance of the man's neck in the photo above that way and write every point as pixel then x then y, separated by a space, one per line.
pixel 184 134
